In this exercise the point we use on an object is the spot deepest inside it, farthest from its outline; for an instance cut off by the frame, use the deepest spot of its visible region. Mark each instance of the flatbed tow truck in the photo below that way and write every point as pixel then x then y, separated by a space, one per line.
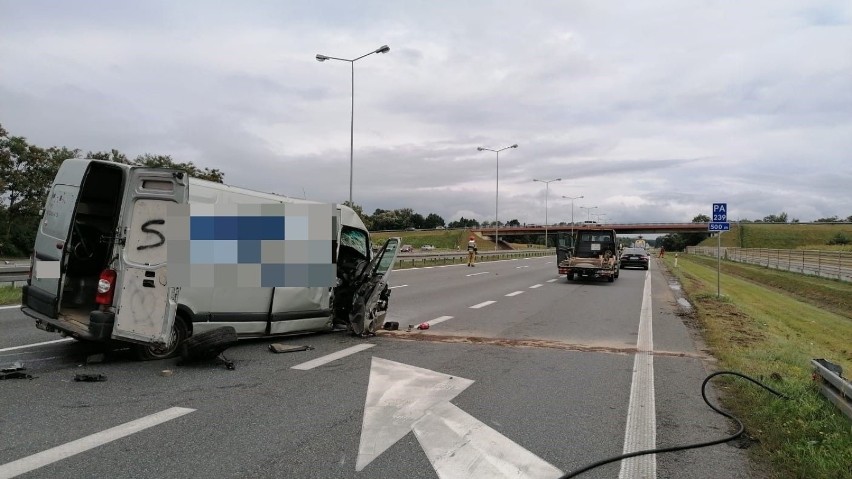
pixel 589 253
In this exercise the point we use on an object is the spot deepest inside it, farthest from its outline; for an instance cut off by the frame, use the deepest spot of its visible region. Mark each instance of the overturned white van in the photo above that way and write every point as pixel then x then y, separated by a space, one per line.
pixel 95 276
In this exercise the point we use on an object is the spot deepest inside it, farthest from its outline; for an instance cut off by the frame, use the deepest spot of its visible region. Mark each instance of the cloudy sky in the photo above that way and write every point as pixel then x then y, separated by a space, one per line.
pixel 651 110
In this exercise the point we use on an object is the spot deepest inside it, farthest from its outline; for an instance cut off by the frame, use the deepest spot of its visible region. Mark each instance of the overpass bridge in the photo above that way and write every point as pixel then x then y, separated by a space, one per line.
pixel 620 228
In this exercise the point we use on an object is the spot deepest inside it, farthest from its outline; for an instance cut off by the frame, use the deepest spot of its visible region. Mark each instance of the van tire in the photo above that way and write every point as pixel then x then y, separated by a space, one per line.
pixel 209 344
pixel 150 353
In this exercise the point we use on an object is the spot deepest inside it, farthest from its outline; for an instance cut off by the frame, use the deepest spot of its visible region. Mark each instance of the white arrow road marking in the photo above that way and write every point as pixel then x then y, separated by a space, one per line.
pixel 535 286
pixel 439 319
pixel 514 293
pixel 400 286
pixel 403 398
pixel 331 357
pixel 30 463
pixel 482 304
pixel 640 432
pixel 459 445
pixel 474 274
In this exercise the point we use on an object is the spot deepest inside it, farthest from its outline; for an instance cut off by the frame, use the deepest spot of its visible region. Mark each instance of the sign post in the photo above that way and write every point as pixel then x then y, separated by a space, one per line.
pixel 719 223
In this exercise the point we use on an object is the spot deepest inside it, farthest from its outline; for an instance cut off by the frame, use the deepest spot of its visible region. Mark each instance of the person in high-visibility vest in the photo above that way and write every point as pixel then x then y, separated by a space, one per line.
pixel 471 252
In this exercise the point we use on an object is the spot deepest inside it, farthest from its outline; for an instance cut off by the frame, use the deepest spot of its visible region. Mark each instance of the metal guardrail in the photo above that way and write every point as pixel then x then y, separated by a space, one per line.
pixel 13 274
pixel 834 387
pixel 412 259
pixel 827 264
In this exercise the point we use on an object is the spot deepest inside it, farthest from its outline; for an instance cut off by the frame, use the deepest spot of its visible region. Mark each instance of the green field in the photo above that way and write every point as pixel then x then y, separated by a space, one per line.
pixel 783 236
pixel 769 325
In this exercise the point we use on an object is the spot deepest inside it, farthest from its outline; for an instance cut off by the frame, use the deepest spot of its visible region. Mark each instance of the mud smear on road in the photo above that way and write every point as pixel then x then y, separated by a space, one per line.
pixel 532 343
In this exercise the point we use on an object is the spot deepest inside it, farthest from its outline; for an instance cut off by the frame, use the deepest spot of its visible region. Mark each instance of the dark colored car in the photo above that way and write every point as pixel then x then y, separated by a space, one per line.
pixel 634 257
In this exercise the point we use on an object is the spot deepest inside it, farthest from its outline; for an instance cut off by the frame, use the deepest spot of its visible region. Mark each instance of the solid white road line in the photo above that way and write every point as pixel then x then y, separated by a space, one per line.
pixel 640 432
pixel 437 320
pixel 25 346
pixel 553 280
pixel 482 304
pixel 332 357
pixel 514 293
pixel 10 307
pixel 31 463
pixel 474 274
pixel 400 286
pixel 536 286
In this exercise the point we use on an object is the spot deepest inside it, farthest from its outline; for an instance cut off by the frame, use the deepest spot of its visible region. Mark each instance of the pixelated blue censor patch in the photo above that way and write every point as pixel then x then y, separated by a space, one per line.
pixel 251 245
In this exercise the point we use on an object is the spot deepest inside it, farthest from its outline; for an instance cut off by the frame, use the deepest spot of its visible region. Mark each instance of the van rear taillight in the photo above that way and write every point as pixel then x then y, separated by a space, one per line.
pixel 106 287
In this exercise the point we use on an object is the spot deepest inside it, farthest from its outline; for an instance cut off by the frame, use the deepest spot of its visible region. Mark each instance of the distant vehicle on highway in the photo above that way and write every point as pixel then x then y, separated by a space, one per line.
pixel 411 228
pixel 427 247
pixel 439 227
pixel 634 257
pixel 406 248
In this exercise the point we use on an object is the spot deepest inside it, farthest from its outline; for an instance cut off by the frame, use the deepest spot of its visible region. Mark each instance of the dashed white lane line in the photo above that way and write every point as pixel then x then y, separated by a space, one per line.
pixel 41 459
pixel 482 304
pixel 45 343
pixel 474 274
pixel 332 357
pixel 549 262
pixel 514 293
pixel 437 320
pixel 519 267
pixel 553 280
pixel 399 286
pixel 536 286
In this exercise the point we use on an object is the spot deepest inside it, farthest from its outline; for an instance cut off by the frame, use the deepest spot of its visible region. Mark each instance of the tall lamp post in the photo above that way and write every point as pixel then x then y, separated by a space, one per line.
pixel 572 198
pixel 322 58
pixel 546 193
pixel 588 211
pixel 496 194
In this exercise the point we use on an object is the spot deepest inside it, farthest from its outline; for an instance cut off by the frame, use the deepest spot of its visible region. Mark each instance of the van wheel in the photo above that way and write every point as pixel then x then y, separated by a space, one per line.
pixel 209 344
pixel 149 353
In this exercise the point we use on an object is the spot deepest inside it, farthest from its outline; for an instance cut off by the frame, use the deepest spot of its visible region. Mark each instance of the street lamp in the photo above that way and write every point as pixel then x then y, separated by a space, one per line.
pixel 546 192
pixel 572 198
pixel 322 58
pixel 496 193
pixel 588 211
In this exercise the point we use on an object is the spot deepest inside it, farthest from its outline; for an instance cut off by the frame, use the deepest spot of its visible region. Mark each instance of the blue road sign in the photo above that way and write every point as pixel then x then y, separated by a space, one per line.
pixel 720 213
pixel 719 226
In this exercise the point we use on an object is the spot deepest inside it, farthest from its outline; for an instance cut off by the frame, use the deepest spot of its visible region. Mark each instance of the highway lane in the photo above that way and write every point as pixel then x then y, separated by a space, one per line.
pixel 567 405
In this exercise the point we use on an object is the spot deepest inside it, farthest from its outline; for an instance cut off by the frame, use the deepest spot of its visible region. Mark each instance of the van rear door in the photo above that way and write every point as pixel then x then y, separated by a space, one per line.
pixel 145 301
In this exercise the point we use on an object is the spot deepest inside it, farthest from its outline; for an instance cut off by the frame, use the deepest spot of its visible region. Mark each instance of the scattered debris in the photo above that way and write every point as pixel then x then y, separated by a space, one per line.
pixel 410 327
pixel 423 326
pixel 209 344
pixel 95 358
pixel 16 371
pixel 89 378
pixel 282 348
pixel 391 326
pixel 166 372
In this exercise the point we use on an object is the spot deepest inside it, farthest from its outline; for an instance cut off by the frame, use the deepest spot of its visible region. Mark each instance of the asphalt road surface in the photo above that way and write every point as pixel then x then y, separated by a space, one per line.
pixel 521 374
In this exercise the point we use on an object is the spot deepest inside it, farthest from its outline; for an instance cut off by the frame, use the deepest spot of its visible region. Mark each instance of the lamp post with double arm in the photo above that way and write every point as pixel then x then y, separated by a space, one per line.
pixel 546 193
pixel 572 198
pixel 322 58
pixel 497 194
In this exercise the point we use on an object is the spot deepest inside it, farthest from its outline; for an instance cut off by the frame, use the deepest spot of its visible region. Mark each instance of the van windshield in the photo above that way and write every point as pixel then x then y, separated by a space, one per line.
pixel 355 239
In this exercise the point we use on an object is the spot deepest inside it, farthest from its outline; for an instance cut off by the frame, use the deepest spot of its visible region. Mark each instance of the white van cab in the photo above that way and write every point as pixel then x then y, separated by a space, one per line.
pixel 99 268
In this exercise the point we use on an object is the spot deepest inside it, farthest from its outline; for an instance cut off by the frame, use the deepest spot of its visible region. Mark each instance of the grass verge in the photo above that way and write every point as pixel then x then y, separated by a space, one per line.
pixel 9 295
pixel 762 329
